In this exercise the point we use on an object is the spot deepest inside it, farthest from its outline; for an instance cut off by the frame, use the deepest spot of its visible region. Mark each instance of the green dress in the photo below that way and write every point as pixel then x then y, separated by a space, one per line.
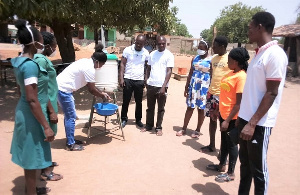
pixel 28 148
pixel 45 63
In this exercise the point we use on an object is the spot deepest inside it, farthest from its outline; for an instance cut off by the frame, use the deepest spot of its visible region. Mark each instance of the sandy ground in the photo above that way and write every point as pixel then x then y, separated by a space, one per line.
pixel 146 163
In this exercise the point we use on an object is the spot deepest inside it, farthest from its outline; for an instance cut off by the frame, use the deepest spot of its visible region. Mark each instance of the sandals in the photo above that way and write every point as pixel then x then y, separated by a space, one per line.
pixel 159 132
pixel 42 190
pixel 195 134
pixel 207 149
pixel 74 147
pixel 181 132
pixel 218 168
pixel 224 178
pixel 51 177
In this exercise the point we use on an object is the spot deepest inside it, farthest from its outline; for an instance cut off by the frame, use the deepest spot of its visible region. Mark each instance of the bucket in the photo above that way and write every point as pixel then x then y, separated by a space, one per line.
pixel 107 76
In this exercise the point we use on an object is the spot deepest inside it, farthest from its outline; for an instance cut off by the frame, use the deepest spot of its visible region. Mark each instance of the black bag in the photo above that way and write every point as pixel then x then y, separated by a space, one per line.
pixel 234 134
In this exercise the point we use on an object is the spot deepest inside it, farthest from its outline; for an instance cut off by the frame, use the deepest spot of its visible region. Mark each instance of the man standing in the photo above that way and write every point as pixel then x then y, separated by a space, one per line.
pixel 132 78
pixel 219 64
pixel 260 103
pixel 159 72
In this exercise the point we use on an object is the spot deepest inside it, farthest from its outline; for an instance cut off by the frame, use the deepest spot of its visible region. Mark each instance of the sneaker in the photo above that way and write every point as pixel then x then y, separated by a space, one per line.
pixel 139 123
pixel 124 123
pixel 74 147
pixel 79 142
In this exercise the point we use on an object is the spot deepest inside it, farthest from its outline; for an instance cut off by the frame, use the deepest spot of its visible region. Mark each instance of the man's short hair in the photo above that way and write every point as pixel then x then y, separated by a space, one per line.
pixel 221 40
pixel 266 19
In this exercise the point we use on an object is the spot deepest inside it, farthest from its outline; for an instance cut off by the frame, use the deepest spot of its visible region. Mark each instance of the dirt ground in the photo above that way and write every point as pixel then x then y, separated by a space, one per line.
pixel 146 163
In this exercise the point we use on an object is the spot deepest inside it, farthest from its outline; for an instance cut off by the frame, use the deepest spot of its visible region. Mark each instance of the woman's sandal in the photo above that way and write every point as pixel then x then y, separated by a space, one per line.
pixel 181 132
pixel 224 178
pixel 195 134
pixel 51 177
pixel 42 190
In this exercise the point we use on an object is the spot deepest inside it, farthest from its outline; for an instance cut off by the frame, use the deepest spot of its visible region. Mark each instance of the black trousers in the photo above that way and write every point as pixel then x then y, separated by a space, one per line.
pixel 253 158
pixel 228 147
pixel 152 98
pixel 136 86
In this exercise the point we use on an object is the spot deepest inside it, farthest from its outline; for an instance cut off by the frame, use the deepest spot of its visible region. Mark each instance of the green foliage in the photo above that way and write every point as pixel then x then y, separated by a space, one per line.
pixel 207 35
pixel 233 23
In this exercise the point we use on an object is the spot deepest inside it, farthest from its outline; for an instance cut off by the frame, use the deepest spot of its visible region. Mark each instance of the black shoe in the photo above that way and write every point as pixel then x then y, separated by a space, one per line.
pixel 139 123
pixel 124 123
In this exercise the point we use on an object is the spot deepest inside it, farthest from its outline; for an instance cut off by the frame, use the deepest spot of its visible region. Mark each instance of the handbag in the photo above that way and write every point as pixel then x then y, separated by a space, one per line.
pixel 234 135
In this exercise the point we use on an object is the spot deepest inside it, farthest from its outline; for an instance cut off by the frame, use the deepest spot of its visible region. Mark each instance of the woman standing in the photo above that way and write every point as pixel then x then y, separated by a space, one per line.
pixel 52 108
pixel 232 86
pixel 196 88
pixel 30 146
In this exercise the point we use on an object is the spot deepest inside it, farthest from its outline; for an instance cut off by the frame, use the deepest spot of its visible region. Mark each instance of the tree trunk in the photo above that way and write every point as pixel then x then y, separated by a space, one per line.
pixel 96 35
pixel 63 34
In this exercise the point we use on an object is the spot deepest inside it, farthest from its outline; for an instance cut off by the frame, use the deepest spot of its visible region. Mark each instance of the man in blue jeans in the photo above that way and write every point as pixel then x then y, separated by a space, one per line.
pixel 77 75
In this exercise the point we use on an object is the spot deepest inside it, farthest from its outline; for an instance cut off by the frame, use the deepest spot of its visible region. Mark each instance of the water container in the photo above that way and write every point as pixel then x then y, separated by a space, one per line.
pixel 107 76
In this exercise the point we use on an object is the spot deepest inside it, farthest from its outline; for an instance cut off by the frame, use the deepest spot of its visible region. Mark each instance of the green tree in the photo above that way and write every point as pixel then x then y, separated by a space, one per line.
pixel 59 15
pixel 233 22
pixel 207 35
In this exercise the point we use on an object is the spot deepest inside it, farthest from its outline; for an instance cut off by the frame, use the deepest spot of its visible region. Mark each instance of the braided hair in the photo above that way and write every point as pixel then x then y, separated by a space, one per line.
pixel 48 38
pixel 240 55
pixel 26 33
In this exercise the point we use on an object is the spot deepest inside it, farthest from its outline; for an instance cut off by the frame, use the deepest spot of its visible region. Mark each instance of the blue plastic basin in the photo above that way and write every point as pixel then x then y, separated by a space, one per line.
pixel 106 109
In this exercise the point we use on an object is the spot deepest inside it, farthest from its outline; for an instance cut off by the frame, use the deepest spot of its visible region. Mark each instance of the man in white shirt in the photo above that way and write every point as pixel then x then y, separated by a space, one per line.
pixel 158 74
pixel 260 103
pixel 132 78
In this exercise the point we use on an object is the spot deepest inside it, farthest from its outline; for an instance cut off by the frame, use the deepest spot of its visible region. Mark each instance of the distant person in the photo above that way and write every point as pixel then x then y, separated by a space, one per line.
pixel 196 88
pixel 77 75
pixel 158 74
pixel 132 78
pixel 231 90
pixel 30 147
pixel 260 103
pixel 219 68
pixel 52 108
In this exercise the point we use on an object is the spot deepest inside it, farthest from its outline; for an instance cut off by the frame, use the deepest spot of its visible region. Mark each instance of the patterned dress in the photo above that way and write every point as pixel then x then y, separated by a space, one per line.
pixel 28 148
pixel 199 83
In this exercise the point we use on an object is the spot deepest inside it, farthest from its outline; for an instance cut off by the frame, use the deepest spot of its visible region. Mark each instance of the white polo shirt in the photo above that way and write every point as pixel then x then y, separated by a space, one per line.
pixel 135 66
pixel 76 75
pixel 159 61
pixel 270 63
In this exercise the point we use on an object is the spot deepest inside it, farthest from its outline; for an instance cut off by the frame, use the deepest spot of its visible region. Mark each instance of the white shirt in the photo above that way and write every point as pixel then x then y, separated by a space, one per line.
pixel 270 63
pixel 159 61
pixel 135 65
pixel 76 75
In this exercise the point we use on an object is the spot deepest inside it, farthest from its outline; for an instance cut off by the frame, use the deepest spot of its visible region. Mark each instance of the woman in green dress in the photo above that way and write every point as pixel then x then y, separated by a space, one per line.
pixel 32 135
pixel 52 108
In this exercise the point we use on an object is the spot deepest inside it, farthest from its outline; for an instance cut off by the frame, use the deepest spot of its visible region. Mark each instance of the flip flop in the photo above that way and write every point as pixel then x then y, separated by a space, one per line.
pixel 206 149
pixel 159 133
pixel 195 134
pixel 181 132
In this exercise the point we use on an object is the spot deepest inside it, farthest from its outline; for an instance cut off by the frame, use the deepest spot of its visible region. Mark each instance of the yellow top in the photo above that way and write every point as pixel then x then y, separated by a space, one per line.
pixel 219 70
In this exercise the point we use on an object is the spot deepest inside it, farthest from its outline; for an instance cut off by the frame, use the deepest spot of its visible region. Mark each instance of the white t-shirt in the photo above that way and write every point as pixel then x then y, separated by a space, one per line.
pixel 270 63
pixel 159 61
pixel 135 65
pixel 76 75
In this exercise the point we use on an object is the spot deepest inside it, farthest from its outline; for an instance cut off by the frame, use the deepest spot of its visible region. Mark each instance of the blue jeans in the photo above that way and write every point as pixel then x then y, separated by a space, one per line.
pixel 66 102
